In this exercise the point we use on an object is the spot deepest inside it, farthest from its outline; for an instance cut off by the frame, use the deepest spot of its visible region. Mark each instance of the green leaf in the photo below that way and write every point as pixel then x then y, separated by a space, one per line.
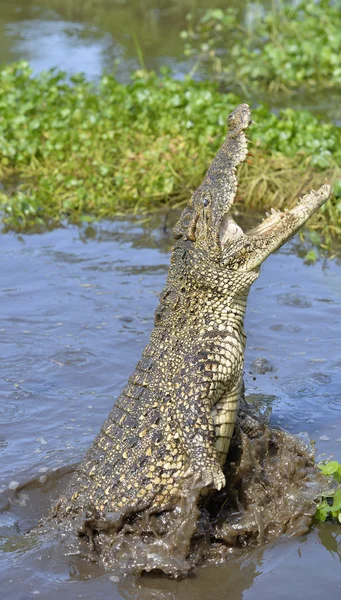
pixel 322 511
pixel 310 257
pixel 336 501
pixel 329 468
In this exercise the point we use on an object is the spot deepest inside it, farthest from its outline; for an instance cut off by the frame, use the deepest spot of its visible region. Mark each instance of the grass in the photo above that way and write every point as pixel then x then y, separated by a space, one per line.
pixel 282 48
pixel 70 150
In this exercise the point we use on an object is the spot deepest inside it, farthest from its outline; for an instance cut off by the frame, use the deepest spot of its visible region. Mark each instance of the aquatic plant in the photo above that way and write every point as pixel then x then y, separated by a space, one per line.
pixel 72 150
pixel 285 47
pixel 330 506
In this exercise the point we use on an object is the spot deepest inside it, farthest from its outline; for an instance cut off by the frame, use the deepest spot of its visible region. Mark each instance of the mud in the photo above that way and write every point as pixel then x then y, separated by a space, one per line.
pixel 272 485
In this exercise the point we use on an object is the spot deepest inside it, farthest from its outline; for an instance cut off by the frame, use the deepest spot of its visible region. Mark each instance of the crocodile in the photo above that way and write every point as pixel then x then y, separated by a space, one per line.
pixel 174 420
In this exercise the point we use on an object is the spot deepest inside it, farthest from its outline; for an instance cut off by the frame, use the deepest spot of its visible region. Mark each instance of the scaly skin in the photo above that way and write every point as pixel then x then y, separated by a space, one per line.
pixel 176 415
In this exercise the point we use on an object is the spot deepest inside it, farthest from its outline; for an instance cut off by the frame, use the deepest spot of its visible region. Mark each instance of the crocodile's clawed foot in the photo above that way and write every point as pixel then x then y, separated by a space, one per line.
pixel 213 478
pixel 209 476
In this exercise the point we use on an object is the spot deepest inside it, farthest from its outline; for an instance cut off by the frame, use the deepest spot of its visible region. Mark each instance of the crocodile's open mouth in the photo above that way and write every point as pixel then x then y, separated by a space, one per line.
pixel 229 230
pixel 207 218
pixel 277 227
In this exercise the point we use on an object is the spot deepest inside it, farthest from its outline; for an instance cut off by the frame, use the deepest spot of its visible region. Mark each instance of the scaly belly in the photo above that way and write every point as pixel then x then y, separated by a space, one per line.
pixel 224 415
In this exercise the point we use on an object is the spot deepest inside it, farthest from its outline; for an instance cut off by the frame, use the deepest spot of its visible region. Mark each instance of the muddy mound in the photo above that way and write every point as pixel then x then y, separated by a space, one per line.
pixel 272 483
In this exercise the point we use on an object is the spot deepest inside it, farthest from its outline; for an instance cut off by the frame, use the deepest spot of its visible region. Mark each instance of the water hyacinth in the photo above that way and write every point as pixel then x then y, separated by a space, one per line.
pixel 283 47
pixel 72 150
pixel 330 506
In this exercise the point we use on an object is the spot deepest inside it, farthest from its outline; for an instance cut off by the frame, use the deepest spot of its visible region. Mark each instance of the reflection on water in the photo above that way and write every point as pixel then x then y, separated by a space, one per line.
pixel 77 35
pixel 72 46
pixel 77 310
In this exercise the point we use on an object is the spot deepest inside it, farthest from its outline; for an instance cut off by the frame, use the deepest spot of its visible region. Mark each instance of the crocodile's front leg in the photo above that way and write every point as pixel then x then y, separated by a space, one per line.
pixel 197 436
pixel 206 412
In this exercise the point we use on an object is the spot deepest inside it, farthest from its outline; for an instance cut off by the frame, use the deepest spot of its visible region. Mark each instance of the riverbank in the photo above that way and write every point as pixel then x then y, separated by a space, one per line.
pixel 73 151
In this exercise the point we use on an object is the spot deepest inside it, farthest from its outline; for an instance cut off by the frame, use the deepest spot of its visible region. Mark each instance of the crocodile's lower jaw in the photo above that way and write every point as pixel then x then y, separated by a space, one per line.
pixel 247 251
pixel 296 216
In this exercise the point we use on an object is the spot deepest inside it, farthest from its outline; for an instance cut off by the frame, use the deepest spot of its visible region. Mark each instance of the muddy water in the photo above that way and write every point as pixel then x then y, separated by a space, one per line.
pixel 77 310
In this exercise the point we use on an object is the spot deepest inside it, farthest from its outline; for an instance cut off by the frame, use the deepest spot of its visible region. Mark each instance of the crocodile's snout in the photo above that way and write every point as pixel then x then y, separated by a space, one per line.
pixel 240 118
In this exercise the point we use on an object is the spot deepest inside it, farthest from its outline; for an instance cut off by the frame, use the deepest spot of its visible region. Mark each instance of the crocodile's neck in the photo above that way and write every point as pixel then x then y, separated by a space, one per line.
pixel 202 292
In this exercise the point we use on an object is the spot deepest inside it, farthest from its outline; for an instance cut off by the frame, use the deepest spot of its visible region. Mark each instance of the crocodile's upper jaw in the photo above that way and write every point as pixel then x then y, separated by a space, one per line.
pixel 247 251
pixel 201 220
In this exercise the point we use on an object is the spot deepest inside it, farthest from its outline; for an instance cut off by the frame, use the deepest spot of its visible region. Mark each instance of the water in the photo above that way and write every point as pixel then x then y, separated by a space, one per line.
pixel 92 35
pixel 77 308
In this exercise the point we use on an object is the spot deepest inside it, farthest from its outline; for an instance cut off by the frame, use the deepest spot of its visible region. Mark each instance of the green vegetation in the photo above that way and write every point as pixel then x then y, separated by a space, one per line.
pixel 289 46
pixel 69 150
pixel 330 506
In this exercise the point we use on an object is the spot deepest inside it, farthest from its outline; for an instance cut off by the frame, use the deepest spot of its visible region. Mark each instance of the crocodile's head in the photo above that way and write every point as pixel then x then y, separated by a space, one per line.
pixel 207 220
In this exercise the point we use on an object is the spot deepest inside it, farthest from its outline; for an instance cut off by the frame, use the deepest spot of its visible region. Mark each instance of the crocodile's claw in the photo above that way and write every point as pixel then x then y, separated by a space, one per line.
pixel 210 476
pixel 214 478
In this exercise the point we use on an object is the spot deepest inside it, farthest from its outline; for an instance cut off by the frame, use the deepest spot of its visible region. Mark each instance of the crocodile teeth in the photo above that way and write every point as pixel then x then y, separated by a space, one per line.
pixel 273 211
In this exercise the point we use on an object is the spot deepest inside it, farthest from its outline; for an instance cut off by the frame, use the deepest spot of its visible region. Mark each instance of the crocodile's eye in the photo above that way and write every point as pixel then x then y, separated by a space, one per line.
pixel 206 202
